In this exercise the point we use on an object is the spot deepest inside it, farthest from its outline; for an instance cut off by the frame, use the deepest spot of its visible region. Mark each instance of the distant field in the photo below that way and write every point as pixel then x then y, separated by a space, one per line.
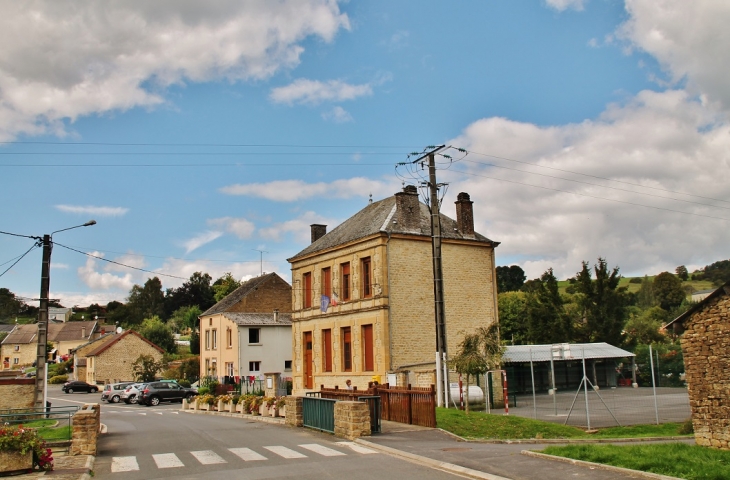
pixel 696 285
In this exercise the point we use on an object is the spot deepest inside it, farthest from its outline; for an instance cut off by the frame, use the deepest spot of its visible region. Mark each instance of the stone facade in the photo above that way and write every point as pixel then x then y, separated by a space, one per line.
pixel 352 420
pixel 85 430
pixel 294 411
pixel 17 355
pixel 706 349
pixel 17 393
pixel 400 308
pixel 112 361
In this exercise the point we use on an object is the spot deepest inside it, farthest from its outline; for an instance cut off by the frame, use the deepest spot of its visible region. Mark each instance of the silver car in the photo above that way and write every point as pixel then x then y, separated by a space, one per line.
pixel 112 392
pixel 131 393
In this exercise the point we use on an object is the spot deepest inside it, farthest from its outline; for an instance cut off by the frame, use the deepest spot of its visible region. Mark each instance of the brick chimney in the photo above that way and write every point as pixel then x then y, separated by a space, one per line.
pixel 464 214
pixel 407 209
pixel 318 231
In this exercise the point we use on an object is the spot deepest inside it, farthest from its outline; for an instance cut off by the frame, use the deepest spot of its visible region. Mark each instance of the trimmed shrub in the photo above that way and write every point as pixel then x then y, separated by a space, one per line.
pixel 58 379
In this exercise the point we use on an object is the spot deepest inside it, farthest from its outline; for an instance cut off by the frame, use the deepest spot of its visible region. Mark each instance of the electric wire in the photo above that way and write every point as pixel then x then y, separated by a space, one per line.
pixel 118 263
pixel 19 235
pixel 35 245
pixel 168 257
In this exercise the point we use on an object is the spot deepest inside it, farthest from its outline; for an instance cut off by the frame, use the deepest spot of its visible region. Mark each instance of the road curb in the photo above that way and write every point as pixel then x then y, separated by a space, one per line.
pixel 547 441
pixel 435 464
pixel 602 466
pixel 256 418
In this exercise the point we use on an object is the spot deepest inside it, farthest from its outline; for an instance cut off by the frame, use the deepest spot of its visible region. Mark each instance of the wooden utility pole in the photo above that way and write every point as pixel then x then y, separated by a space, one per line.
pixel 39 394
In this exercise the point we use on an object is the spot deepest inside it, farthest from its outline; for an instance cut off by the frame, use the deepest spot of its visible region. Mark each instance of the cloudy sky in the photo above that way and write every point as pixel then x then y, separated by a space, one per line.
pixel 208 136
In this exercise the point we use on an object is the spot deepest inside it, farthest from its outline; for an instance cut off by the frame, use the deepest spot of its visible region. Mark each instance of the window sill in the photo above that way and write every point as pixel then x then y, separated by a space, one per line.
pixel 255 344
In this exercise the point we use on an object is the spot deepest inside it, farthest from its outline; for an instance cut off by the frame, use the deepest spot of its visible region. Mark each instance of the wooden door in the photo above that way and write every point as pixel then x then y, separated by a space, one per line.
pixel 308 361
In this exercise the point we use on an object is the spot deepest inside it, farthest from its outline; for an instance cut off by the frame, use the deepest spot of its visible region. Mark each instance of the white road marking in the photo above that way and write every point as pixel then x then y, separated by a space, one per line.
pixel 167 460
pixel 321 449
pixel 208 457
pixel 247 454
pixel 357 448
pixel 285 452
pixel 124 464
pixel 143 414
pixel 158 413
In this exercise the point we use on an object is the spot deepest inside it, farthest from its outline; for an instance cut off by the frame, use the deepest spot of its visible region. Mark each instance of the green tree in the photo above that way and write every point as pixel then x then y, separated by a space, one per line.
pixel 717 273
pixel 644 328
pixel 682 273
pixel 510 279
pixel 546 319
pixel 645 296
pixel 145 368
pixel 603 303
pixel 478 352
pixel 190 369
pixel 668 365
pixel 10 306
pixel 225 286
pixel 668 291
pixel 195 343
pixel 513 317
pixel 197 291
pixel 146 301
pixel 154 330
pixel 184 318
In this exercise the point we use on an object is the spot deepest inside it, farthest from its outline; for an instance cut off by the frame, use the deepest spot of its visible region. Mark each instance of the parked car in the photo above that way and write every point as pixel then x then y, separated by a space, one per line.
pixel 155 392
pixel 131 393
pixel 79 386
pixel 112 391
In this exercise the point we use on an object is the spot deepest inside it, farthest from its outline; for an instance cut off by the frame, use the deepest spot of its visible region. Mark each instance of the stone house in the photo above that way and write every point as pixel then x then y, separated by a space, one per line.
pixel 110 359
pixel 79 355
pixel 705 331
pixel 19 349
pixel 248 333
pixel 363 294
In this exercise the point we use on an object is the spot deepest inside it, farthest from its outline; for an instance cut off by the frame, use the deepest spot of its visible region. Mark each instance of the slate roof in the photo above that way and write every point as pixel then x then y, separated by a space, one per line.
pixel 6 327
pixel 575 351
pixel 377 218
pixel 264 319
pixel 22 334
pixel 238 294
pixel 57 332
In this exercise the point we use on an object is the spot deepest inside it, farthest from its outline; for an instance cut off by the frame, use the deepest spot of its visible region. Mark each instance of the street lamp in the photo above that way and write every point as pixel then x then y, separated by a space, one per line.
pixel 39 396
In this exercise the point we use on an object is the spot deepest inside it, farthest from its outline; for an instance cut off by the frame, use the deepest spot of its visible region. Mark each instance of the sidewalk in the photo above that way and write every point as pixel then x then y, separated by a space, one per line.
pixel 490 461
pixel 66 468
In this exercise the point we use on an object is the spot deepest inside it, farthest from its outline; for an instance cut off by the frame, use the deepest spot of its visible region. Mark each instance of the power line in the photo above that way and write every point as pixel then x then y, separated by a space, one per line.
pixel 19 235
pixel 35 245
pixel 168 257
pixel 247 145
pixel 118 263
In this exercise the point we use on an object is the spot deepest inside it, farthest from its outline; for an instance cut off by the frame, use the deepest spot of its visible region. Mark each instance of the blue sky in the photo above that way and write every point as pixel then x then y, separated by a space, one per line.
pixel 196 135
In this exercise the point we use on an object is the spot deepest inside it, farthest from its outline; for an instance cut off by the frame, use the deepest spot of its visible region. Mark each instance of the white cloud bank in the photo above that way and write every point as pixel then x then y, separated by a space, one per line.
pixel 63 60
pixel 94 211
pixel 240 227
pixel 313 92
pixel 296 190
pixel 201 239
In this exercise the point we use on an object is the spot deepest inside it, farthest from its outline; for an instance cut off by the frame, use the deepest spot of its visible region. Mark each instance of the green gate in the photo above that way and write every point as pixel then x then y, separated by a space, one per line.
pixel 319 413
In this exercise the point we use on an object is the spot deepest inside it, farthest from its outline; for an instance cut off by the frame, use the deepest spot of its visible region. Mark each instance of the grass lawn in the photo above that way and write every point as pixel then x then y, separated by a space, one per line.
pixel 53 434
pixel 478 425
pixel 674 459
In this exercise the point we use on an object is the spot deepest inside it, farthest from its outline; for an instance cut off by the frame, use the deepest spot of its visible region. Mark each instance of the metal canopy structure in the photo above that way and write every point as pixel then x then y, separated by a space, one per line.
pixel 562 352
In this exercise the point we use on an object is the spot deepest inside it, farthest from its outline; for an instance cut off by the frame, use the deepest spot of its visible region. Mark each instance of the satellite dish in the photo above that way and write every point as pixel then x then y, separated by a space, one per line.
pixel 119 329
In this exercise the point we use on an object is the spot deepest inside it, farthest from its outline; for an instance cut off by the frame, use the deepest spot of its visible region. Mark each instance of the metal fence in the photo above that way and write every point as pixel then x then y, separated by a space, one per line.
pixel 245 385
pixel 319 413
pixel 593 393
pixel 55 424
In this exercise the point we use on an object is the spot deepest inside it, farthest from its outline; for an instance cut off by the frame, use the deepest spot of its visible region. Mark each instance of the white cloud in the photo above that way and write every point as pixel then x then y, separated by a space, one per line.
pixel 104 280
pixel 299 227
pixel 657 144
pixel 689 39
pixel 337 115
pixel 313 92
pixel 94 211
pixel 240 227
pixel 561 5
pixel 296 190
pixel 200 240
pixel 59 62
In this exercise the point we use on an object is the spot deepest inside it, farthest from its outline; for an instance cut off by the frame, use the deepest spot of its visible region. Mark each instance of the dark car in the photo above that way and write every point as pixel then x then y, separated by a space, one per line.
pixel 112 391
pixel 79 386
pixel 155 392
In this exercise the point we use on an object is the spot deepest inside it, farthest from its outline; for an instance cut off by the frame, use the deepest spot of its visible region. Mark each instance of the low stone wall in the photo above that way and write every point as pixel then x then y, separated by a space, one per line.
pixel 294 411
pixel 352 420
pixel 16 393
pixel 86 426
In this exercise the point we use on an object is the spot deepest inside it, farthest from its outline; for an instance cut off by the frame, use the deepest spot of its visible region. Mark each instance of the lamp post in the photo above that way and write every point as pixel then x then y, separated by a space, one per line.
pixel 39 396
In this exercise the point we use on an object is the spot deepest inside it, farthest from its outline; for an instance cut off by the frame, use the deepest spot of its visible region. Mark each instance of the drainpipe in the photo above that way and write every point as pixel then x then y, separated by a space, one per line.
pixel 390 319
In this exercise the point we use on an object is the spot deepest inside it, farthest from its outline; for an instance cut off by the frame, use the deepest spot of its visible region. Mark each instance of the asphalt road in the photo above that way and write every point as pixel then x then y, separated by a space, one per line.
pixel 163 442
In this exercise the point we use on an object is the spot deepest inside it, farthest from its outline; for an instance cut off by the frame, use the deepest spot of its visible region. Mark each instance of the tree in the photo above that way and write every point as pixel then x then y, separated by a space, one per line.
pixel 145 302
pixel 603 303
pixel 145 368
pixel 225 286
pixel 644 328
pixel 510 279
pixel 190 369
pixel 645 296
pixel 195 343
pixel 546 319
pixel 668 291
pixel 184 318
pixel 717 273
pixel 154 330
pixel 10 306
pixel 682 273
pixel 478 353
pixel 197 291
pixel 513 317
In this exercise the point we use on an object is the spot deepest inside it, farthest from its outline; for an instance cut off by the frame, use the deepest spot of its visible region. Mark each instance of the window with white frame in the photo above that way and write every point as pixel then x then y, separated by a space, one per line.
pixel 215 339
pixel 17 348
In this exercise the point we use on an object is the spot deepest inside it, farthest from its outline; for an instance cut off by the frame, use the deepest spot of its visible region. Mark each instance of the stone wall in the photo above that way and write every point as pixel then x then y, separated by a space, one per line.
pixel 16 393
pixel 706 349
pixel 115 363
pixel 294 411
pixel 86 426
pixel 352 419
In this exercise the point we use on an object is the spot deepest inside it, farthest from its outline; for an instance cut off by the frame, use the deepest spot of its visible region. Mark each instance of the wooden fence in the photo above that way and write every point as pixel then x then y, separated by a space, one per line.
pixel 411 405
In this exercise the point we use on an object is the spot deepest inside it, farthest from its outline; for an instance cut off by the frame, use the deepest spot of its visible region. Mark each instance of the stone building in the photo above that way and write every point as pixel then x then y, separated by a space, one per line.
pixel 705 330
pixel 111 359
pixel 248 333
pixel 363 294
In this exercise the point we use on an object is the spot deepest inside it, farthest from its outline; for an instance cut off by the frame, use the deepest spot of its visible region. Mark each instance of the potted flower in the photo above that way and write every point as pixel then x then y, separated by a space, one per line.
pixel 255 405
pixel 271 406
pixel 206 402
pixel 281 406
pixel 264 406
pixel 233 404
pixel 22 449
pixel 246 401
pixel 224 402
pixel 239 404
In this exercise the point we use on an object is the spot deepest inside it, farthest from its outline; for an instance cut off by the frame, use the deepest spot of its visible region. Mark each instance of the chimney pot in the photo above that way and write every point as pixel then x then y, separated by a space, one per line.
pixel 318 231
pixel 407 208
pixel 276 315
pixel 83 332
pixel 464 214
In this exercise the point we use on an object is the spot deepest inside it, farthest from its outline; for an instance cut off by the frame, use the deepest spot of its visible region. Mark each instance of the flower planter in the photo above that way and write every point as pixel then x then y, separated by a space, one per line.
pixel 264 411
pixel 222 407
pixel 239 408
pixel 15 461
pixel 273 411
pixel 282 411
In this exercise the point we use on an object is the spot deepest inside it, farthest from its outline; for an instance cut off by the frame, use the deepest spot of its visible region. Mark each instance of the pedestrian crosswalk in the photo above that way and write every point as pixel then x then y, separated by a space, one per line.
pixel 209 457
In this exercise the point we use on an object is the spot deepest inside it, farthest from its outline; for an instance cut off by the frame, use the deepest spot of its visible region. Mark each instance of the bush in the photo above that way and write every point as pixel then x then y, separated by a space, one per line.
pixel 203 391
pixel 635 280
pixel 686 428
pixel 184 383
pixel 58 379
